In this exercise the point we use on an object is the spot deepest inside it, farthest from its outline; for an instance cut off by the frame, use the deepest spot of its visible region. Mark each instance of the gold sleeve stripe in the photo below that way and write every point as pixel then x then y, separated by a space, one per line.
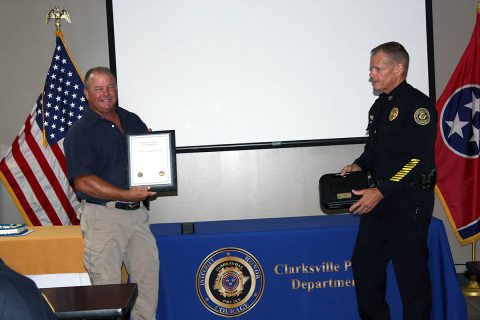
pixel 405 170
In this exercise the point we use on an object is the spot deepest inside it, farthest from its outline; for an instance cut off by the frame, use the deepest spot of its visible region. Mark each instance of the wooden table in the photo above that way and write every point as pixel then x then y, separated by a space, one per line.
pixel 92 302
pixel 47 250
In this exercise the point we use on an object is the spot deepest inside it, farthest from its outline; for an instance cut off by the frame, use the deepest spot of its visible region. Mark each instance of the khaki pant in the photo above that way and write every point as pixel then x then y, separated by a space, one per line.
pixel 114 236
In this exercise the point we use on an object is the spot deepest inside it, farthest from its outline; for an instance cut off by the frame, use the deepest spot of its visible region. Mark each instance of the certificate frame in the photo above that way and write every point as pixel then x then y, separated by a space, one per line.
pixel 152 160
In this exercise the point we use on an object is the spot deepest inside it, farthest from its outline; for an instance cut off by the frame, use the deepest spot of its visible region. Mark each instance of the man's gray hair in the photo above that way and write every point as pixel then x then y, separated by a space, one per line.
pixel 395 52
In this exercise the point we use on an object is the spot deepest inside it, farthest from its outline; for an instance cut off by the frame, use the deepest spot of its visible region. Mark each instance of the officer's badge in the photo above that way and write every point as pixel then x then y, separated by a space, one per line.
pixel 422 116
pixel 393 114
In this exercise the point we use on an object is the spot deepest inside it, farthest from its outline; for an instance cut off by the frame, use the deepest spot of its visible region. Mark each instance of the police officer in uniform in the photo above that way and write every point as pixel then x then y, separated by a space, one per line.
pixel 395 214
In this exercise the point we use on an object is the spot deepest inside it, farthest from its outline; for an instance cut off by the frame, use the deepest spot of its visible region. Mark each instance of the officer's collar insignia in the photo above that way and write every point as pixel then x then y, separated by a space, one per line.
pixel 393 114
pixel 390 98
pixel 422 116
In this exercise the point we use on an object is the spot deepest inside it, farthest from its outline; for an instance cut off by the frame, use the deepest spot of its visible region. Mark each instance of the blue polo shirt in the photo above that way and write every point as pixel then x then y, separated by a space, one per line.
pixel 95 146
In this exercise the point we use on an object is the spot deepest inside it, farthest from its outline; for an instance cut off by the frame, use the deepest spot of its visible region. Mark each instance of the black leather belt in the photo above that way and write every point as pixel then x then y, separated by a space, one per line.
pixel 118 204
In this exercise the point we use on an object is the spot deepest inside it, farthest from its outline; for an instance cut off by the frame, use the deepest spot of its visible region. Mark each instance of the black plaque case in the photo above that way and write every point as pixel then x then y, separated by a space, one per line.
pixel 336 190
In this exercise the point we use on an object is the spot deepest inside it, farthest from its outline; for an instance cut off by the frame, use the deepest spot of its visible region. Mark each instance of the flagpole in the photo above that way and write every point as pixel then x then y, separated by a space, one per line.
pixel 474 257
pixel 472 288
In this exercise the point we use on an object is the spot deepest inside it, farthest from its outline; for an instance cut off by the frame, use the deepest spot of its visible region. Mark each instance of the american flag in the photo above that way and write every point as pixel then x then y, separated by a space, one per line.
pixel 34 170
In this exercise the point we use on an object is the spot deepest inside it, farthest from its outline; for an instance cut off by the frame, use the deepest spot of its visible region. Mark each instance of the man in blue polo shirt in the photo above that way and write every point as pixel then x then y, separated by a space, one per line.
pixel 113 222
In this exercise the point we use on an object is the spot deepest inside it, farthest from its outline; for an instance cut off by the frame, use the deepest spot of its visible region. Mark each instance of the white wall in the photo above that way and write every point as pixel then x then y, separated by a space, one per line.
pixel 212 186
pixel 250 184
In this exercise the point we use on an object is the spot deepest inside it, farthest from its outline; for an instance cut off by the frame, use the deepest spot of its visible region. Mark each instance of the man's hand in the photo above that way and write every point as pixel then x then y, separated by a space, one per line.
pixel 350 168
pixel 369 200
pixel 101 189
pixel 138 194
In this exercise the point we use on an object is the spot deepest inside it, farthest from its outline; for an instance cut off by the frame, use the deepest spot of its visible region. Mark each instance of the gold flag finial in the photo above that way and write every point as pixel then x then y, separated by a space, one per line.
pixel 57 14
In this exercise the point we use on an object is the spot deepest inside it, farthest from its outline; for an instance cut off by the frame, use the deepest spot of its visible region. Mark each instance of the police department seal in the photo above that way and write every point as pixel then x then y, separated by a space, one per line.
pixel 230 282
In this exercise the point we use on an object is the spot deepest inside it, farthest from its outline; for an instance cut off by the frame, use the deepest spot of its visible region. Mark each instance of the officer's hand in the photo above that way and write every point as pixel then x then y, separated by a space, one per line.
pixel 350 168
pixel 139 193
pixel 369 200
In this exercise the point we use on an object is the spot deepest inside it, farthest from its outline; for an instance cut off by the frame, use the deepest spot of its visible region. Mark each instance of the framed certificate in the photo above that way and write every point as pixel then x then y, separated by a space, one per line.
pixel 152 160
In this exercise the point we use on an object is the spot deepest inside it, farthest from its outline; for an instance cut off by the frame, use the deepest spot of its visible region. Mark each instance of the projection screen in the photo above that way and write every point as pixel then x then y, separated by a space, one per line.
pixel 248 71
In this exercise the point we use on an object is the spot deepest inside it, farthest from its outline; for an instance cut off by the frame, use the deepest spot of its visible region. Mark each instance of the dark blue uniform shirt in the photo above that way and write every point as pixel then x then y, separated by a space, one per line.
pixel 95 146
pixel 20 297
pixel 402 129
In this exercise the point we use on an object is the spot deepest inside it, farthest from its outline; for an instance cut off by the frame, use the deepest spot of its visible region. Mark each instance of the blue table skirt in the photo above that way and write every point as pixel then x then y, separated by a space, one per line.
pixel 323 243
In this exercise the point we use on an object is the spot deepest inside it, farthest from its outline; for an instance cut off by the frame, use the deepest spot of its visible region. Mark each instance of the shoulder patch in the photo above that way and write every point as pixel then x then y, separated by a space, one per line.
pixel 422 116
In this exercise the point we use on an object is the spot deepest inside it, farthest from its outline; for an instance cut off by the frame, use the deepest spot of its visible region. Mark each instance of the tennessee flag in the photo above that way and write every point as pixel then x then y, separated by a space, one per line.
pixel 34 170
pixel 457 145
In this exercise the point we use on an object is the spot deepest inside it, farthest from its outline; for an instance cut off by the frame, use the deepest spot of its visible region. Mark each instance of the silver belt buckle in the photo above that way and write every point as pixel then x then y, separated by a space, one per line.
pixel 132 205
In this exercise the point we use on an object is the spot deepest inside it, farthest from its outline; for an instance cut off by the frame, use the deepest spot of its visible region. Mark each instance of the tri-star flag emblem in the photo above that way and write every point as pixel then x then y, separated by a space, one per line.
pixel 460 121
